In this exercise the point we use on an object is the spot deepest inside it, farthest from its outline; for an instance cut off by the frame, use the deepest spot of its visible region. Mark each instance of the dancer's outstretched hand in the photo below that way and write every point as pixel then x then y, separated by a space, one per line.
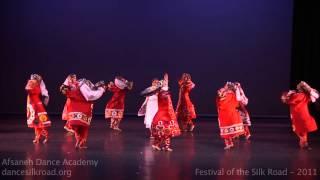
pixel 166 77
pixel 110 84
pixel 46 100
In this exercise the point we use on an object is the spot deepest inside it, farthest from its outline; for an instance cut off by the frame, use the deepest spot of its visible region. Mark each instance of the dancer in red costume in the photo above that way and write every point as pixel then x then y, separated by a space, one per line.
pixel 230 122
pixel 70 82
pixel 80 107
pixel 185 109
pixel 244 114
pixel 164 125
pixel 302 121
pixel 37 117
pixel 115 106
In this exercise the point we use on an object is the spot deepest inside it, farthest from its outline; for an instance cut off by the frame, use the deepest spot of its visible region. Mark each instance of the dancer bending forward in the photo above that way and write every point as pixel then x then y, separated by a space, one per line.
pixel 80 108
pixel 302 122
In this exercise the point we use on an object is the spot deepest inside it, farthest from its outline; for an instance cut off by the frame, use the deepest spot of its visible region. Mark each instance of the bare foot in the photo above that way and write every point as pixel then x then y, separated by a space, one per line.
pixel 77 145
pixel 305 145
pixel 68 129
pixel 117 129
pixel 83 147
pixel 168 149
pixel 156 148
pixel 228 147
pixel 248 137
pixel 191 128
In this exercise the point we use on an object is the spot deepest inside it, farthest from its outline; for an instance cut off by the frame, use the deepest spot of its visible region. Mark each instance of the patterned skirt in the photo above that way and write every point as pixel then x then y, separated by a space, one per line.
pixel 114 113
pixel 165 129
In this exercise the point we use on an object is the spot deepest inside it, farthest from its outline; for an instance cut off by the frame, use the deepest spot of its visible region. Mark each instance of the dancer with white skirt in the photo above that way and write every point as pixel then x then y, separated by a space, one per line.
pixel 149 107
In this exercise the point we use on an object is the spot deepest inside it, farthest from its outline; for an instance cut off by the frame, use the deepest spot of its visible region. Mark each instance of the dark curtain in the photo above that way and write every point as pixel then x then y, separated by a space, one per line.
pixel 306 47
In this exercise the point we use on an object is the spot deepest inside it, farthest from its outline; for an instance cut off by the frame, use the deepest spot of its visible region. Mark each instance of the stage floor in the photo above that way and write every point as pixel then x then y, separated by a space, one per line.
pixel 272 153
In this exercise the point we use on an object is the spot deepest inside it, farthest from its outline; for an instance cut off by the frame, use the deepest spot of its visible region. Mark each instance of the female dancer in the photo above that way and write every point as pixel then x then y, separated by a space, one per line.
pixel 115 107
pixel 149 107
pixel 71 83
pixel 80 108
pixel 164 125
pixel 230 123
pixel 244 114
pixel 37 117
pixel 185 109
pixel 302 122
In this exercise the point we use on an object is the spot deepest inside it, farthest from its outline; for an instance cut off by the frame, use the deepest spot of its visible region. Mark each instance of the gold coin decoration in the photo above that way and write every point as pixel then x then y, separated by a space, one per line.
pixel 43 118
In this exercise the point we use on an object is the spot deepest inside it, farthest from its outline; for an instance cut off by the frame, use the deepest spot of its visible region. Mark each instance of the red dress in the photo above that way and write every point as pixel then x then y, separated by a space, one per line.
pixel 67 104
pixel 115 106
pixel 37 116
pixel 185 109
pixel 164 124
pixel 229 119
pixel 302 121
pixel 65 110
pixel 79 109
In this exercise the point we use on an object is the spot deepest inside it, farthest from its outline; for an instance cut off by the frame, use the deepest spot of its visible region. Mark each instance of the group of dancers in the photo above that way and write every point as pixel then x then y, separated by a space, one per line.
pixel 160 118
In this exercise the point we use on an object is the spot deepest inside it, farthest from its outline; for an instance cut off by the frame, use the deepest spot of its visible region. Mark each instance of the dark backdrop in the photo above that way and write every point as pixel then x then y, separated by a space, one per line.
pixel 214 40
pixel 306 47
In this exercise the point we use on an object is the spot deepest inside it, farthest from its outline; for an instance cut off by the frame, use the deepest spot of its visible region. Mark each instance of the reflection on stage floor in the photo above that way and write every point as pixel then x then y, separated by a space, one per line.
pixel 272 152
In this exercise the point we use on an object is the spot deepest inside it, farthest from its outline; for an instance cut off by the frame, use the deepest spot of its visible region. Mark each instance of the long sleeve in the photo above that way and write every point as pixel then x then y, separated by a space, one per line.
pixel 314 95
pixel 29 86
pixel 90 94
pixel 190 86
pixel 44 91
pixel 238 95
pixel 244 99
pixel 113 88
pixel 142 110
pixel 297 98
